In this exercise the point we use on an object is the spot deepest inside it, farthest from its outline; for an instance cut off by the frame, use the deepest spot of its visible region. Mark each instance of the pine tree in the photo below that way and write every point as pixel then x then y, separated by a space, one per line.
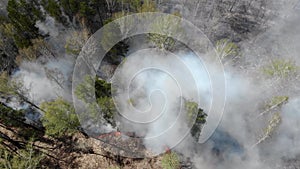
pixel 23 15
pixel 8 49
pixel 59 118
pixel 196 118
pixel 53 8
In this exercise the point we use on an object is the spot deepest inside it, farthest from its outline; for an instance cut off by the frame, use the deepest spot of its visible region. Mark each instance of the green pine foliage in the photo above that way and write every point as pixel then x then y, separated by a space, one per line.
pixel 84 90
pixel 23 15
pixel 79 10
pixel 277 101
pixel 53 8
pixel 10 117
pixel 170 161
pixel 280 68
pixel 7 88
pixel 168 28
pixel 70 7
pixel 193 112
pixel 27 158
pixel 104 98
pixel 274 103
pixel 225 48
pixel 114 167
pixel 8 49
pixel 108 109
pixel 103 89
pixel 59 118
pixel 114 51
pixel 270 129
pixel 76 41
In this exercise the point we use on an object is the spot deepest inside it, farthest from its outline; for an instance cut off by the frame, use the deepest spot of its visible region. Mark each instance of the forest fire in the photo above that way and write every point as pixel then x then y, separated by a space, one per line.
pixel 168 150
pixel 149 84
pixel 119 134
pixel 114 133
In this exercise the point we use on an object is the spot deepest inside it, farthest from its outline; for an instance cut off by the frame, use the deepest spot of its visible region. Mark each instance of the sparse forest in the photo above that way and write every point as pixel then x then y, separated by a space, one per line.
pixel 40 41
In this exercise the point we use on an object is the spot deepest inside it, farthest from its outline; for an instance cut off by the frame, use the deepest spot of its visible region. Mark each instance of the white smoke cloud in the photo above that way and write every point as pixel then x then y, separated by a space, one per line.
pixel 286 142
pixel 45 82
pixel 49 26
pixel 153 102
pixel 248 90
pixel 49 77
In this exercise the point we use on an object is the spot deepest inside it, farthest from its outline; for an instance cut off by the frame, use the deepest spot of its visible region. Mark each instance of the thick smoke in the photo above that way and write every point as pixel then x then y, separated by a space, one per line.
pixel 248 91
pixel 48 26
pixel 48 77
pixel 45 82
pixel 153 106
pixel 287 142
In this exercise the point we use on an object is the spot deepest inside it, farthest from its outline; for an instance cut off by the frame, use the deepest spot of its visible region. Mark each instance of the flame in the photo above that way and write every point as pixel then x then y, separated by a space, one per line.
pixel 167 150
pixel 115 134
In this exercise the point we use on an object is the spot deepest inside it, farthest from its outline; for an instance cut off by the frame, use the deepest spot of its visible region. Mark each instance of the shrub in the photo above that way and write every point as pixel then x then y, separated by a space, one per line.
pixel 277 101
pixel 193 112
pixel 170 161
pixel 225 48
pixel 26 158
pixel 280 68
pixel 59 118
